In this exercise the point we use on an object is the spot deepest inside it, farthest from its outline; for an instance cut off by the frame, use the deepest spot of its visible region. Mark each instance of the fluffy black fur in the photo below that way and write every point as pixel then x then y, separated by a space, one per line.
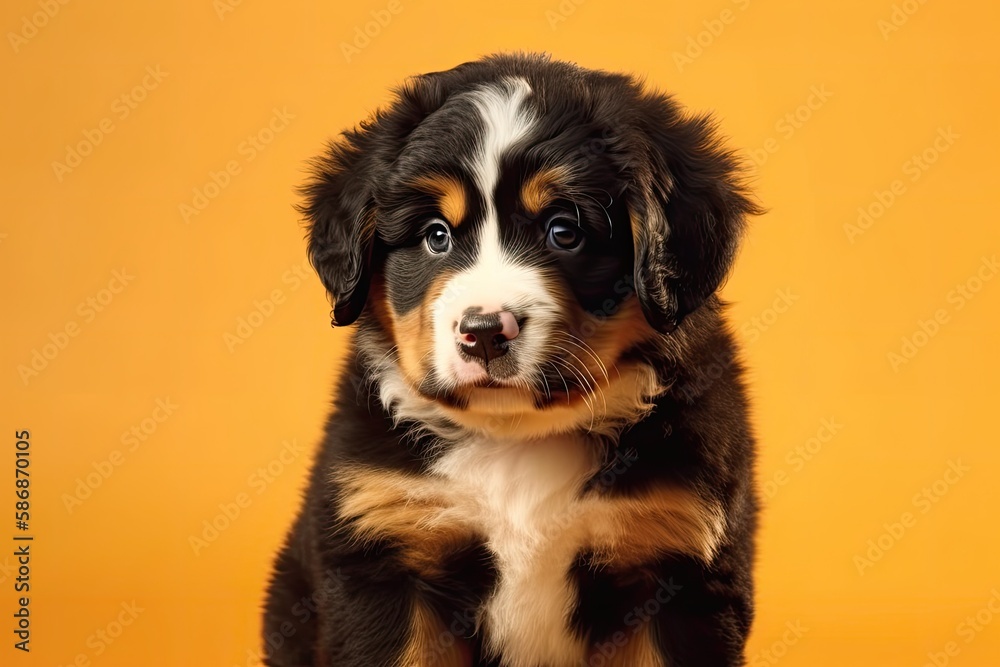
pixel 669 208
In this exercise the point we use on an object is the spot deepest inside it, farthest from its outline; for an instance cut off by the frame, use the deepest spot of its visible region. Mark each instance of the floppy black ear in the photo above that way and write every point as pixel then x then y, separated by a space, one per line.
pixel 340 198
pixel 689 214
pixel 339 209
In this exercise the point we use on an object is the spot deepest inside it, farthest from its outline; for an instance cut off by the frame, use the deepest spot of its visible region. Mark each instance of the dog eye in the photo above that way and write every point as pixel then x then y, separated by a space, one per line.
pixel 438 238
pixel 563 233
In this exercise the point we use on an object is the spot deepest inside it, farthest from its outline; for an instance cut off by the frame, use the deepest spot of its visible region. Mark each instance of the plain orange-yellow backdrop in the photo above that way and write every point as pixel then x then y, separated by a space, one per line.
pixel 820 300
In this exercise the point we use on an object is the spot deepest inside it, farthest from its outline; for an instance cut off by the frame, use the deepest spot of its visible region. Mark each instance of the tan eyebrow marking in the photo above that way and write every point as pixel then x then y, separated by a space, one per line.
pixel 541 188
pixel 450 193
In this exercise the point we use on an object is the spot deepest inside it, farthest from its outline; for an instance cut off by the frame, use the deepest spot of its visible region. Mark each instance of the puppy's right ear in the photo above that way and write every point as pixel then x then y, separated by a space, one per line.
pixel 340 213
pixel 340 198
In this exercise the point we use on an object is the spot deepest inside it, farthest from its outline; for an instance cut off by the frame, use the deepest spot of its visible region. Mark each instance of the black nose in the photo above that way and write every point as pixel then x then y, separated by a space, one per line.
pixel 481 335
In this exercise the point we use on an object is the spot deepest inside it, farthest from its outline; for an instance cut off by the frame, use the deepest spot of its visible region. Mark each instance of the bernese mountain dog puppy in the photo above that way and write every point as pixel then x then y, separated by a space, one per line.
pixel 540 452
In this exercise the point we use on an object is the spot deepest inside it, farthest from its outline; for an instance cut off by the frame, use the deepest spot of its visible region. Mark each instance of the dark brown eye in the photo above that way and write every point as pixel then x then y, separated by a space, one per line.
pixel 563 234
pixel 438 238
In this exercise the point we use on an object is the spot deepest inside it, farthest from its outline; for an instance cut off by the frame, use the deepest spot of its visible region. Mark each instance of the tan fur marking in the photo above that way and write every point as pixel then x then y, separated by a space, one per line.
pixel 627 327
pixel 542 187
pixel 428 520
pixel 627 532
pixel 639 228
pixel 413 342
pixel 416 512
pixel 431 644
pixel 610 338
pixel 450 193
pixel 639 651
pixel 513 414
pixel 413 335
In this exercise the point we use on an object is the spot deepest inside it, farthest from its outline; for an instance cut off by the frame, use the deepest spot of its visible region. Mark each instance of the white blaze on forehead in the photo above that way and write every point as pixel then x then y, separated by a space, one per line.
pixel 505 123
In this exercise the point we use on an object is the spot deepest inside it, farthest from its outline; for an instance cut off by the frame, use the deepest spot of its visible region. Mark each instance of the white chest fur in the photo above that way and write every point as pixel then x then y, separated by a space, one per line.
pixel 525 500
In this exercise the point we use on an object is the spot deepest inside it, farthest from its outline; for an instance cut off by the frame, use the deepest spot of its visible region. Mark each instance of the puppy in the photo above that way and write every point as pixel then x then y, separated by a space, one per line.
pixel 539 454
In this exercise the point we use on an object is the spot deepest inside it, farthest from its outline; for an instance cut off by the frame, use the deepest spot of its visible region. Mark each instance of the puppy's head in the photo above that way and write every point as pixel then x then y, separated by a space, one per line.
pixel 508 231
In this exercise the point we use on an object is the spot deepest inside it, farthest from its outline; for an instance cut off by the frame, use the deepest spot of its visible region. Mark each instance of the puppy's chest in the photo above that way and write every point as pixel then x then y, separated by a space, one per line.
pixel 528 502
pixel 518 495
pixel 524 499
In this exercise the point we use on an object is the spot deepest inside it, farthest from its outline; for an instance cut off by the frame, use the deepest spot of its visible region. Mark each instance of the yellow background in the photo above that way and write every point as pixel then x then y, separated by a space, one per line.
pixel 853 300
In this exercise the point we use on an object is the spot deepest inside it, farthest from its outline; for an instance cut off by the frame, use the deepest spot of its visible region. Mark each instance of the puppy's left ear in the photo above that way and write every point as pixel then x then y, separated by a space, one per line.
pixel 688 211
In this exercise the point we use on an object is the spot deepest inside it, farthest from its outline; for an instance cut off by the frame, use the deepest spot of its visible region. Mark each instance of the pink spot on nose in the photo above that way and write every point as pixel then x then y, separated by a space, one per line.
pixel 468 339
pixel 509 329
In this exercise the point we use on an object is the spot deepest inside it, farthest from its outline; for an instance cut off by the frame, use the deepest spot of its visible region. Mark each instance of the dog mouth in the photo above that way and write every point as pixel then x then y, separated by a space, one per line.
pixel 557 382
pixel 493 383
